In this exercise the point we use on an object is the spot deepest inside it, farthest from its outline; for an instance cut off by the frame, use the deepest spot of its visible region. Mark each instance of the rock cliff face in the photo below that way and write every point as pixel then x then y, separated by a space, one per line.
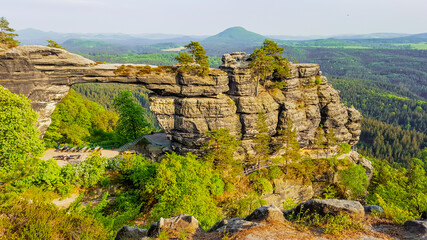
pixel 186 106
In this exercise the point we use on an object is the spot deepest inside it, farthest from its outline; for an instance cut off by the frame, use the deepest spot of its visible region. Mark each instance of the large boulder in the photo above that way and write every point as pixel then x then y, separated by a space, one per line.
pixel 130 233
pixel 233 225
pixel 266 213
pixel 180 223
pixel 417 228
pixel 331 207
pixel 374 210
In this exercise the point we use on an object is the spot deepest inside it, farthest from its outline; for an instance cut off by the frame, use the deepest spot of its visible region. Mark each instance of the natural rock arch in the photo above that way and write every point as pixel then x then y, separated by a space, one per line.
pixel 186 106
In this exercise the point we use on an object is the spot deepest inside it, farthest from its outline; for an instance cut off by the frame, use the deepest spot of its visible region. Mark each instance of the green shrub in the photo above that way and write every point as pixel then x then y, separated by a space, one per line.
pixel 89 172
pixel 245 205
pixel 274 173
pixel 318 80
pixel 330 192
pixel 398 214
pixel 289 204
pixel 353 181
pixel 345 148
pixel 262 186
pixel 217 186
pixel 280 85
pixel 32 216
pixel 342 222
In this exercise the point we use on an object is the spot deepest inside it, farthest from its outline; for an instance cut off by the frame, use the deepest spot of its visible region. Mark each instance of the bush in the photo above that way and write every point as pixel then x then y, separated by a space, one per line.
pixel 353 181
pixel 289 204
pixel 32 216
pixel 274 173
pixel 345 148
pixel 342 222
pixel 398 214
pixel 263 186
pixel 89 172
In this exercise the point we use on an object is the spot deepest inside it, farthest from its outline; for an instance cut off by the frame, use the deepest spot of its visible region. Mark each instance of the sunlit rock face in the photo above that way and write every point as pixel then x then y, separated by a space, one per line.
pixel 187 106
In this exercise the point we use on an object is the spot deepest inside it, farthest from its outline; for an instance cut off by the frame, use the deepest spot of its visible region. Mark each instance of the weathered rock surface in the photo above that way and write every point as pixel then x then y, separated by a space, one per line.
pixel 266 213
pixel 331 207
pixel 131 233
pixel 418 229
pixel 186 106
pixel 233 225
pixel 374 209
pixel 180 223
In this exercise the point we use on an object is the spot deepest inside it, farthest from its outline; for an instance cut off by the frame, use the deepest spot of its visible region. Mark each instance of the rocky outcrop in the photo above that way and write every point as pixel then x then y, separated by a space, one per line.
pixel 175 225
pixel 330 207
pixel 417 229
pixel 130 233
pixel 374 210
pixel 266 213
pixel 187 106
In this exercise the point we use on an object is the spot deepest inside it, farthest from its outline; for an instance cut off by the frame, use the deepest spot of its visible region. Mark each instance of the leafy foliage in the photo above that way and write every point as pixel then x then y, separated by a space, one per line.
pixel 402 190
pixel 353 181
pixel 77 121
pixel 132 123
pixel 31 216
pixel 220 149
pixel 19 137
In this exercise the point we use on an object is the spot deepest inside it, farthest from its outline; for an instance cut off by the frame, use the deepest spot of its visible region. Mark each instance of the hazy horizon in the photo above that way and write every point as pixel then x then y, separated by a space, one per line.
pixel 190 17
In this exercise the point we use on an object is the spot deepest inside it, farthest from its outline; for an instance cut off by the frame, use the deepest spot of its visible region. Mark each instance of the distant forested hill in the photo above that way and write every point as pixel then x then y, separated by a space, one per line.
pixel 384 102
pixel 406 68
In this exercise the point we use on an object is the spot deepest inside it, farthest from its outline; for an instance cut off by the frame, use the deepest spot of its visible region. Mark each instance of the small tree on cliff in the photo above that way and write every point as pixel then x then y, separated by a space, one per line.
pixel 287 141
pixel 132 123
pixel 54 44
pixel 220 149
pixel 262 141
pixel 267 61
pixel 320 139
pixel 7 35
pixel 19 137
pixel 196 60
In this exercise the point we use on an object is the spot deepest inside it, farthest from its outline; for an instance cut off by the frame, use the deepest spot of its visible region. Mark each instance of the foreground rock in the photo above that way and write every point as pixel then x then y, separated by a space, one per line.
pixel 374 210
pixel 232 225
pixel 266 213
pixel 418 229
pixel 330 206
pixel 175 225
pixel 130 233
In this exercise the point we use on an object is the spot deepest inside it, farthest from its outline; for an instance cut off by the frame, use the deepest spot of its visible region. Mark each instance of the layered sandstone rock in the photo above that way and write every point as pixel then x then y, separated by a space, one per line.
pixel 187 106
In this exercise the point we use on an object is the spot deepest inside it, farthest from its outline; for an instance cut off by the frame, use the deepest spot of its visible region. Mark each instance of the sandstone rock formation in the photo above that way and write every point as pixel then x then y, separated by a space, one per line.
pixel 186 106
pixel 330 207
pixel 175 225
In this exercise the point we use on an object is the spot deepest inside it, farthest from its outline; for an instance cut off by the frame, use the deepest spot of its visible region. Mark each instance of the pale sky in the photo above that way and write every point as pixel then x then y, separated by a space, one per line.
pixel 206 17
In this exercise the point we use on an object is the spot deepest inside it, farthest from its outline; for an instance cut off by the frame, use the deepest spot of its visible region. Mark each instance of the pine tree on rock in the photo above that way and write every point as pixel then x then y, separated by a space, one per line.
pixel 195 59
pixel 7 35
